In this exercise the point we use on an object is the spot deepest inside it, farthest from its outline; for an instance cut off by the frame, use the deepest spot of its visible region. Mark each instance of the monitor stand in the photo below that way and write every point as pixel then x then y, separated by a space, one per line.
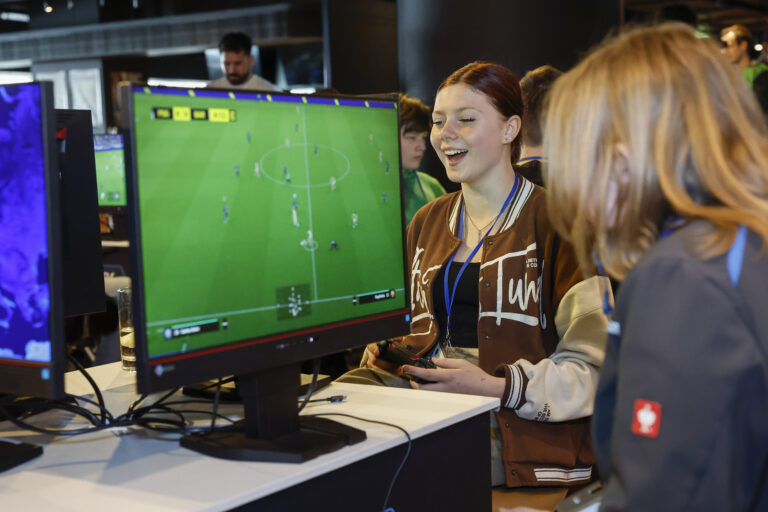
pixel 272 430
pixel 230 391
pixel 14 453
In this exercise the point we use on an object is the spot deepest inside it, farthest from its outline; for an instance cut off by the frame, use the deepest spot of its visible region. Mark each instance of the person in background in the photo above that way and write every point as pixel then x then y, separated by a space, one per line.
pixel 497 298
pixel 657 172
pixel 736 41
pixel 237 64
pixel 535 85
pixel 419 188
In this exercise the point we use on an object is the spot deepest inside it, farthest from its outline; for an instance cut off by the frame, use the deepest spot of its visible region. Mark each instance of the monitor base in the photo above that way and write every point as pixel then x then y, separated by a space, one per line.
pixel 315 436
pixel 12 454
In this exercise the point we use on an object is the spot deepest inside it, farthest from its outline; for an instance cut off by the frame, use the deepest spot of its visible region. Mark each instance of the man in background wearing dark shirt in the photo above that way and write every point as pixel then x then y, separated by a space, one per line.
pixel 535 85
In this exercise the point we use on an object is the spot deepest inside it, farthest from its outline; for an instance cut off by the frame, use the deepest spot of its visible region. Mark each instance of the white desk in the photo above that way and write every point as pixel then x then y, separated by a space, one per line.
pixel 141 470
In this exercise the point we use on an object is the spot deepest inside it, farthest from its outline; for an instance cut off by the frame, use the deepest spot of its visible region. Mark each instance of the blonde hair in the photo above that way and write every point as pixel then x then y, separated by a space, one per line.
pixel 694 139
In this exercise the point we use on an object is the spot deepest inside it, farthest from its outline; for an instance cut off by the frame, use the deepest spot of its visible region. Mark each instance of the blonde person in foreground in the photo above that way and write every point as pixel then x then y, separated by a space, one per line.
pixel 658 173
pixel 524 325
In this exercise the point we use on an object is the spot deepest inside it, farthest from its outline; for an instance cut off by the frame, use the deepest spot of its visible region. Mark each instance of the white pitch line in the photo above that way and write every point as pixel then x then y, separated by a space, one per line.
pixel 309 196
pixel 246 311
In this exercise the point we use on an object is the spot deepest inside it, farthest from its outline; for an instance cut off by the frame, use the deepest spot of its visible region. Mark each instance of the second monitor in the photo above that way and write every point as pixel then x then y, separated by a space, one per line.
pixel 268 231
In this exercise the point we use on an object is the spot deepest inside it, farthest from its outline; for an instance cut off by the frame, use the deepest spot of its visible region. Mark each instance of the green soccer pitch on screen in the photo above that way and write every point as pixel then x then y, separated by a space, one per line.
pixel 110 169
pixel 263 214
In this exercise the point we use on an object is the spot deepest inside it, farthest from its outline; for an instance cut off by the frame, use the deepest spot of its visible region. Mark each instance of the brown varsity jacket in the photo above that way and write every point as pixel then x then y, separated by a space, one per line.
pixel 540 325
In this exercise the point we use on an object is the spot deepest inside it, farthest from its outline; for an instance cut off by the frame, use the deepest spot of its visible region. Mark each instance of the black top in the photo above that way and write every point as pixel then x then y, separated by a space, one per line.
pixel 465 305
pixel 531 170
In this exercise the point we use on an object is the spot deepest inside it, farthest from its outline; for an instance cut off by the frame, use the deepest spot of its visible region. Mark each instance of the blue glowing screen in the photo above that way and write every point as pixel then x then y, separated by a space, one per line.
pixel 24 285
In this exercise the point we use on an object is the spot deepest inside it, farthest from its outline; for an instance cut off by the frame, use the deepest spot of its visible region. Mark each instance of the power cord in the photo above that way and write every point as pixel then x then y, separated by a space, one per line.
pixel 315 372
pixel 332 399
pixel 402 463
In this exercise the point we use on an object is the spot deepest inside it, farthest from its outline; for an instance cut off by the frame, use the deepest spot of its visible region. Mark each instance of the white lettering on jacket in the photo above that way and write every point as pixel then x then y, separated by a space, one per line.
pixel 520 290
pixel 419 289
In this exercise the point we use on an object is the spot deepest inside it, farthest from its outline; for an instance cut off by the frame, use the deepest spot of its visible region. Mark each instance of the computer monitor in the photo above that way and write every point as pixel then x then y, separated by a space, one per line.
pixel 82 261
pixel 268 230
pixel 110 170
pixel 32 353
pixel 110 177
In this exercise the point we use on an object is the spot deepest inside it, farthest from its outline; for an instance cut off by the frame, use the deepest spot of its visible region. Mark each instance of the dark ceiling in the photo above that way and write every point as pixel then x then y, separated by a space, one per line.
pixel 715 15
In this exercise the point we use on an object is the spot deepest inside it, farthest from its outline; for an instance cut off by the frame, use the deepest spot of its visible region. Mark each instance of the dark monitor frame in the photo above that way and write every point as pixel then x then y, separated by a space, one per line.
pixel 25 378
pixel 267 367
pixel 247 355
pixel 83 265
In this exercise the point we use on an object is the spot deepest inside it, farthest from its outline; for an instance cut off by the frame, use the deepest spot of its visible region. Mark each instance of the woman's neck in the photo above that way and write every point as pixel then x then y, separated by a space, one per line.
pixel 484 199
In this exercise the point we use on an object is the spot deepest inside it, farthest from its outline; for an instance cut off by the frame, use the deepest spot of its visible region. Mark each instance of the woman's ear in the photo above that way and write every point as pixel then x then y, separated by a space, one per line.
pixel 511 129
pixel 621 163
pixel 617 184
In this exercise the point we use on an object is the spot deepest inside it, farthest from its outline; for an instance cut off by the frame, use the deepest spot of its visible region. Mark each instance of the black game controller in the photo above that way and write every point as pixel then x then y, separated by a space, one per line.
pixel 396 353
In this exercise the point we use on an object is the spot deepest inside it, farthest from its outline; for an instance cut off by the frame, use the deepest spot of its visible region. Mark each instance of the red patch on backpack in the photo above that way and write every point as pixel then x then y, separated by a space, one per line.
pixel 646 418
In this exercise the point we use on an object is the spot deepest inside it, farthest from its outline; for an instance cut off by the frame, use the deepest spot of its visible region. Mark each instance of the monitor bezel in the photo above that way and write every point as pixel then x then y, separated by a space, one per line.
pixel 21 377
pixel 255 354
pixel 83 264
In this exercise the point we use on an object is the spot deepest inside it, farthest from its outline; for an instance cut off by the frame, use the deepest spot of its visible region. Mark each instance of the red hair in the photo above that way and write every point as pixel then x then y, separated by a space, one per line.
pixel 501 87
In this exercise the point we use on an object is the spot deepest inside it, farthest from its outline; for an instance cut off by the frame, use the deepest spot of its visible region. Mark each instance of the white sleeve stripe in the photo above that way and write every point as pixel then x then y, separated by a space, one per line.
pixel 562 475
pixel 515 386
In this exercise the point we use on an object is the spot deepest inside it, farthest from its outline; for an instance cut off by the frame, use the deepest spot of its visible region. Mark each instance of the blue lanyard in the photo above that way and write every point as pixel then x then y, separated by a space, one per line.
pixel 670 226
pixel 607 308
pixel 449 301
pixel 416 174
pixel 530 158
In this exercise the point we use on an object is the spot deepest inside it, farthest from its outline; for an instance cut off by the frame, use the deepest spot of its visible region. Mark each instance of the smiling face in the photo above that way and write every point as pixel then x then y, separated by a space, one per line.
pixel 470 136
pixel 412 147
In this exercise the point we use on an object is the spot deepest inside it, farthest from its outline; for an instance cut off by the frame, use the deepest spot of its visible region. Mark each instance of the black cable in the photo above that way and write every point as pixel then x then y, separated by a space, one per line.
pixel 93 384
pixel 315 372
pixel 223 380
pixel 332 399
pixel 104 411
pixel 61 432
pixel 137 402
pixel 405 457
pixel 216 404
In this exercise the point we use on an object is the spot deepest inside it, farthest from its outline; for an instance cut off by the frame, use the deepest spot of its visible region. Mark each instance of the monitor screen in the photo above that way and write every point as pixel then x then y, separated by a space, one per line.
pixel 31 338
pixel 268 230
pixel 110 169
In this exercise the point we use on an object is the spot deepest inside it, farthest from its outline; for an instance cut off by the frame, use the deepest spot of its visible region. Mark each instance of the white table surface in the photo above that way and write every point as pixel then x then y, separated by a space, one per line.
pixel 140 470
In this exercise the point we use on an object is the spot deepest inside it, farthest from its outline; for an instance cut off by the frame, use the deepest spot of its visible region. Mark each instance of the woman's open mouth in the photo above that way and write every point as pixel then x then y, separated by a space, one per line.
pixel 454 156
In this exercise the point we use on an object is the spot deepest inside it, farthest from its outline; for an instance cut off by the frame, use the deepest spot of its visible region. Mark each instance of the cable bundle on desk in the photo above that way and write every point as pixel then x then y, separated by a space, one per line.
pixel 146 416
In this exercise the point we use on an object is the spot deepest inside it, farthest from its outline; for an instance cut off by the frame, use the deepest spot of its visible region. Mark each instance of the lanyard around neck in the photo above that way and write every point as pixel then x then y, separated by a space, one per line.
pixel 416 175
pixel 528 158
pixel 449 299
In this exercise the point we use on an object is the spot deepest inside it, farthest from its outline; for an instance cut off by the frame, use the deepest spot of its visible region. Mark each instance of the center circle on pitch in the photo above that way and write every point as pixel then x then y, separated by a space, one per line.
pixel 274 172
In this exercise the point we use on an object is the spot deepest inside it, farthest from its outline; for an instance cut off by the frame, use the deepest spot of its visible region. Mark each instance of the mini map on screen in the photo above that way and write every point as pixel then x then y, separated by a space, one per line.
pixel 24 289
